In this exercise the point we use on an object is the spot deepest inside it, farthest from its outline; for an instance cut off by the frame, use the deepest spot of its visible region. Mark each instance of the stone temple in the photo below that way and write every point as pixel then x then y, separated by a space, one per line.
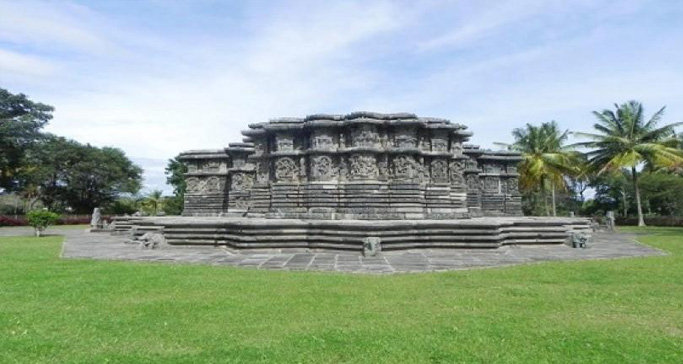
pixel 333 181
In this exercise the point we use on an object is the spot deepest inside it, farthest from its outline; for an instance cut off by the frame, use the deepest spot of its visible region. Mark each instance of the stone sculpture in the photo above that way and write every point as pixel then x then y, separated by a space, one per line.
pixel 96 219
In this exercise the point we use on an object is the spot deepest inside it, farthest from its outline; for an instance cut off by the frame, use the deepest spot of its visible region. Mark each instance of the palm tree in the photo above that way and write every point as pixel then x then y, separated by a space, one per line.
pixel 154 201
pixel 625 140
pixel 546 160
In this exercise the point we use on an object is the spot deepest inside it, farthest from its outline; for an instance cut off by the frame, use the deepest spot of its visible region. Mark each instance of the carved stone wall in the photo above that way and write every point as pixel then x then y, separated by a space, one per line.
pixel 356 166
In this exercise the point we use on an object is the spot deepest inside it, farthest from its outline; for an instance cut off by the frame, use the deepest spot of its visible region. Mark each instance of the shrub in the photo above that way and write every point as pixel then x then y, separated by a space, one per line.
pixel 41 219
pixel 10 221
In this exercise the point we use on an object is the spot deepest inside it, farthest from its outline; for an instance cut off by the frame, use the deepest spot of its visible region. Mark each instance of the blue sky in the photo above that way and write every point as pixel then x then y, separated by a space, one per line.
pixel 158 77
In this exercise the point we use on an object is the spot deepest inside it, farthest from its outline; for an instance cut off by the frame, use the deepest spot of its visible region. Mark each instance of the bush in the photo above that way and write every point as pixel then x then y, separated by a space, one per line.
pixel 10 221
pixel 41 219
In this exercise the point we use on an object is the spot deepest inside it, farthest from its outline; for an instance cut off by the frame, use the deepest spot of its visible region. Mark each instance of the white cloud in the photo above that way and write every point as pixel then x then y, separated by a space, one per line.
pixel 156 91
pixel 21 65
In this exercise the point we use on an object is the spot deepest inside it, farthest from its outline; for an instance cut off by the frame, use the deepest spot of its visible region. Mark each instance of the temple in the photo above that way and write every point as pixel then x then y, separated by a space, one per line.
pixel 361 182
pixel 359 166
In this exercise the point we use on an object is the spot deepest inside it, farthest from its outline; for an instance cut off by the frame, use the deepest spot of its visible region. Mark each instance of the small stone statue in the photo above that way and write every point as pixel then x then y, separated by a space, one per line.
pixel 610 221
pixel 578 240
pixel 372 246
pixel 96 219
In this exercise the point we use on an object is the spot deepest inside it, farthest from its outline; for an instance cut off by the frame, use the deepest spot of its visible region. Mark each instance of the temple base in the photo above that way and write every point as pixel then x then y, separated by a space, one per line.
pixel 257 233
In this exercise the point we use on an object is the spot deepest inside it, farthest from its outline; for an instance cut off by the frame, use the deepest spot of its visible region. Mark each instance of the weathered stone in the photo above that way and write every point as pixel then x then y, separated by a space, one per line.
pixel 372 246
pixel 370 163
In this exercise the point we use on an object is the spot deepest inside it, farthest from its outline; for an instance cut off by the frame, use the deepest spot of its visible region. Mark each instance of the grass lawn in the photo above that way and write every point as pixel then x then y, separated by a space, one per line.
pixel 79 311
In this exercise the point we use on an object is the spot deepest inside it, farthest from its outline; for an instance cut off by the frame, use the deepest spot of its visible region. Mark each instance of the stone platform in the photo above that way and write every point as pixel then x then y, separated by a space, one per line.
pixel 260 233
pixel 84 245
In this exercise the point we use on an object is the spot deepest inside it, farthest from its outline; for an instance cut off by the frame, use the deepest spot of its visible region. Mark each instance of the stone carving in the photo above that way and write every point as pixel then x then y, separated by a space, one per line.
pixel 456 149
pixel 284 143
pixel 372 246
pixel 439 170
pixel 96 219
pixel 322 167
pixel 439 145
pixel 512 168
pixel 323 142
pixel 194 184
pixel 362 166
pixel 405 167
pixel 382 166
pixel 457 172
pixel 209 166
pixel 365 136
pixel 241 202
pixel 472 182
pixel 491 184
pixel 241 181
pixel 286 169
pixel 471 164
pixel 513 186
pixel 261 172
pixel 491 168
pixel 213 185
pixel 405 138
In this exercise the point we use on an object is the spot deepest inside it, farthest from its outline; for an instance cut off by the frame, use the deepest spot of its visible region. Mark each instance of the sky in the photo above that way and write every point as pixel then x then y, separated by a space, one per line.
pixel 157 77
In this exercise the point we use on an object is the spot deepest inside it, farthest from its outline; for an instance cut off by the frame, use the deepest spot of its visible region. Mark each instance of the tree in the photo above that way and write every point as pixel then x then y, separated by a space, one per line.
pixel 175 176
pixel 153 202
pixel 625 140
pixel 546 160
pixel 79 177
pixel 20 123
pixel 41 219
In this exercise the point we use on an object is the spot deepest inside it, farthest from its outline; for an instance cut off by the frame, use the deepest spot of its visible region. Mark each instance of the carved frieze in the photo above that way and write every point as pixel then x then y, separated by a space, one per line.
pixel 513 186
pixel 472 182
pixel 322 168
pixel 262 175
pixel 286 169
pixel 214 185
pixel 492 168
pixel 405 167
pixel 456 148
pixel 405 137
pixel 284 143
pixel 471 164
pixel 439 144
pixel 191 184
pixel 512 168
pixel 365 136
pixel 457 172
pixel 363 166
pixel 241 181
pixel 491 184
pixel 439 170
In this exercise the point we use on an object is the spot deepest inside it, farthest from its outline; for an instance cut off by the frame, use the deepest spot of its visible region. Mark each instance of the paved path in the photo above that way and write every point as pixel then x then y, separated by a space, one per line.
pixel 81 244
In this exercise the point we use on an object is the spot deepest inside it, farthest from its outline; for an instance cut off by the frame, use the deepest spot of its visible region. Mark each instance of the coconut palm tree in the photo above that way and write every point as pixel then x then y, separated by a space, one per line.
pixel 625 140
pixel 546 160
pixel 153 202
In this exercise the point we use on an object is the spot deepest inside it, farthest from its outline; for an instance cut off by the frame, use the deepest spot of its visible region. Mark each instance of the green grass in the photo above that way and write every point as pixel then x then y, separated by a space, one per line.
pixel 79 311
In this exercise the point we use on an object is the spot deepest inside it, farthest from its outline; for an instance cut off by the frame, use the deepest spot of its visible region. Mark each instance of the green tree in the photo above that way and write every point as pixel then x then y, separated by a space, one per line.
pixel 546 160
pixel 20 123
pixel 153 202
pixel 625 140
pixel 175 176
pixel 79 177
pixel 41 219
